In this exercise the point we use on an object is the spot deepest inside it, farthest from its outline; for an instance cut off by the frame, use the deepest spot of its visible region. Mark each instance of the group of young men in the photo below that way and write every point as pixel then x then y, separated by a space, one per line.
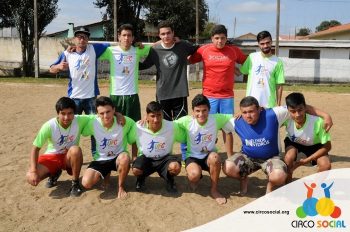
pixel 167 120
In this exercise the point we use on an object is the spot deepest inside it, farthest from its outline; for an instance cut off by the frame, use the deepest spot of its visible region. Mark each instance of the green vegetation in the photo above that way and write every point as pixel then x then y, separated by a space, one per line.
pixel 300 87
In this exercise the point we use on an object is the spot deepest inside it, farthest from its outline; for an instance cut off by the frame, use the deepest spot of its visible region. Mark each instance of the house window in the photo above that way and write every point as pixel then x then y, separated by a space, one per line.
pixel 304 54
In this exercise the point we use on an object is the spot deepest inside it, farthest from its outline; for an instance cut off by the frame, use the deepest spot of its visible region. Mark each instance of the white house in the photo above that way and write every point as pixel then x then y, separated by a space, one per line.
pixel 317 61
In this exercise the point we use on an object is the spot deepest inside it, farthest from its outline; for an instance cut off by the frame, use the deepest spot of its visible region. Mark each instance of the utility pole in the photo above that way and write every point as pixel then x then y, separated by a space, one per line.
pixel 115 20
pixel 277 28
pixel 197 38
pixel 36 40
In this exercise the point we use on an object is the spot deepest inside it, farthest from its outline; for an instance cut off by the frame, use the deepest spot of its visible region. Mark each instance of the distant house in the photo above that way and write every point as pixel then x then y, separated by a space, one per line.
pixel 248 36
pixel 97 31
pixel 341 32
pixel 317 61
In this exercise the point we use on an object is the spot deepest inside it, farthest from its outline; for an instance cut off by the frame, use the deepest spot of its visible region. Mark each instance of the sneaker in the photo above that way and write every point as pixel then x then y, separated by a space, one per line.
pixel 140 184
pixel 171 186
pixel 75 190
pixel 52 180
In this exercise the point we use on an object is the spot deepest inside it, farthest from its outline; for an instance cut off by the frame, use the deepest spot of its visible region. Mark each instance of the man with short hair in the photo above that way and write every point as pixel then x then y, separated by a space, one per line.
pixel 155 141
pixel 62 134
pixel 265 73
pixel 82 68
pixel 306 134
pixel 258 130
pixel 111 139
pixel 219 61
pixel 201 133
pixel 170 59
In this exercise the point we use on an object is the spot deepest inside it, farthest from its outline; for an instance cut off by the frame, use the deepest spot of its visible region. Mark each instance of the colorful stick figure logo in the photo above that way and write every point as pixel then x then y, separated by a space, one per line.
pixel 323 206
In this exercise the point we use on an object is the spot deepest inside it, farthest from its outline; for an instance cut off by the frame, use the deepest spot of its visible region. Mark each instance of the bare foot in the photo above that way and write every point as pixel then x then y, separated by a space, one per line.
pixel 244 186
pixel 220 199
pixel 122 193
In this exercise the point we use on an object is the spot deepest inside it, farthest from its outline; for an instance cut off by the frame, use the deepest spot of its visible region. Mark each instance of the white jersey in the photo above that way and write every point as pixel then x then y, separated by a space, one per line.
pixel 82 72
pixel 159 144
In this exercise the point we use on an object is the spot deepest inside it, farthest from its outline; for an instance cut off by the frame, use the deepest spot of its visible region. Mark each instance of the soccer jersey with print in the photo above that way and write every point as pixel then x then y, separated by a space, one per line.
pixel 83 71
pixel 310 134
pixel 201 138
pixel 124 69
pixel 261 140
pixel 159 144
pixel 218 69
pixel 264 73
pixel 109 142
pixel 58 138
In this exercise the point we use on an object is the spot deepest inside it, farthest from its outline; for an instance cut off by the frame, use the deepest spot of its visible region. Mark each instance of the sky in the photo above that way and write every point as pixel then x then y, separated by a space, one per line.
pixel 250 16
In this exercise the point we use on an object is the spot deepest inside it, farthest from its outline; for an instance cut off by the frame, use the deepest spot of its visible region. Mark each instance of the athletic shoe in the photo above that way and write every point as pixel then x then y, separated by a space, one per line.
pixel 75 190
pixel 52 180
pixel 140 184
pixel 171 186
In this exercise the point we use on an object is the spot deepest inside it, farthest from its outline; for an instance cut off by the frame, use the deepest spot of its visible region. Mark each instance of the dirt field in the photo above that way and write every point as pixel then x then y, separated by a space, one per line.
pixel 25 107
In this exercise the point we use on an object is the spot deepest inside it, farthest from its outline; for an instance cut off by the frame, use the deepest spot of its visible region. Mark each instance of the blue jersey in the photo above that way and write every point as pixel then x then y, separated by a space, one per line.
pixel 261 140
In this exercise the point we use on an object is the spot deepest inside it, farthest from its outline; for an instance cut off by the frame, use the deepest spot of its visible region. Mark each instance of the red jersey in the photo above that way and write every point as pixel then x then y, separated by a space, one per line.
pixel 218 69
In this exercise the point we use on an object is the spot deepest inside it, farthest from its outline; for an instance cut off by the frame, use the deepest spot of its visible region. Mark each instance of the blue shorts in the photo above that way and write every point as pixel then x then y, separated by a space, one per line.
pixel 221 105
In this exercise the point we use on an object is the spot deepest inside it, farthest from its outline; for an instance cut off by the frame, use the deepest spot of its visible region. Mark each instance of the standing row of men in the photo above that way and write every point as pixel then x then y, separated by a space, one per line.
pixel 265 76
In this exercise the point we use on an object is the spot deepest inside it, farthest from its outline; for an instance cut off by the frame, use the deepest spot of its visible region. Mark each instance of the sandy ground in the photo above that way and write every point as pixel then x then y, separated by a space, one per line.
pixel 25 107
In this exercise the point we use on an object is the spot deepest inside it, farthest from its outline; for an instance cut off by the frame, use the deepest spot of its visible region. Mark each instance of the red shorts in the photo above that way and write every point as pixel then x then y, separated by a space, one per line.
pixel 54 162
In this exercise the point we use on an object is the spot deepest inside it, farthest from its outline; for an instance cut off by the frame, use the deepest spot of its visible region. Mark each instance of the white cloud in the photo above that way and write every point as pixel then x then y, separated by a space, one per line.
pixel 252 7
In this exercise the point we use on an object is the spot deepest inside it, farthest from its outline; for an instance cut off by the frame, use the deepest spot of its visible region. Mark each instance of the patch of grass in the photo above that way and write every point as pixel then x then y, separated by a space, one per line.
pixel 298 87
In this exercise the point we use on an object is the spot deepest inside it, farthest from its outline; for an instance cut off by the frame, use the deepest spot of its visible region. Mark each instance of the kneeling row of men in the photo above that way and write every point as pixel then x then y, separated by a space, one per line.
pixel 257 128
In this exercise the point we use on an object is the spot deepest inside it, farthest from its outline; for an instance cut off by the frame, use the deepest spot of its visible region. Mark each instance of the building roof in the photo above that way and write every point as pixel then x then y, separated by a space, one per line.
pixel 305 43
pixel 76 27
pixel 332 30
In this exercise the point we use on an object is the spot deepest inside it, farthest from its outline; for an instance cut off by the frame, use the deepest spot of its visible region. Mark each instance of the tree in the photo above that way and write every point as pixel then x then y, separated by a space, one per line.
pixel 20 14
pixel 304 31
pixel 327 24
pixel 206 33
pixel 181 13
pixel 129 11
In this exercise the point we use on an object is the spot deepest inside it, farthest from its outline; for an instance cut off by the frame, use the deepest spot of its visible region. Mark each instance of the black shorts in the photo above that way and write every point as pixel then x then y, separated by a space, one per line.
pixel 201 162
pixel 149 165
pixel 104 167
pixel 174 108
pixel 307 150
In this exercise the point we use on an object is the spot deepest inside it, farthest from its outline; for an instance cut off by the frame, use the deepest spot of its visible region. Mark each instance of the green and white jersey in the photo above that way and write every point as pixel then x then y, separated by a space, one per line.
pixel 264 74
pixel 58 138
pixel 201 138
pixel 109 142
pixel 310 134
pixel 124 69
pixel 159 144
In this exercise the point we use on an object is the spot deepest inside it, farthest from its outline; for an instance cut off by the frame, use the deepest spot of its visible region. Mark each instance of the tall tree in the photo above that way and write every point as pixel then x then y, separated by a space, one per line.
pixel 129 11
pixel 327 24
pixel 304 31
pixel 20 14
pixel 181 13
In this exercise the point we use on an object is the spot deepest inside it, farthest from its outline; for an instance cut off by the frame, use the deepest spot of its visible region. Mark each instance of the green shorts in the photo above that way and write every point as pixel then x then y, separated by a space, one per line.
pixel 128 105
pixel 249 165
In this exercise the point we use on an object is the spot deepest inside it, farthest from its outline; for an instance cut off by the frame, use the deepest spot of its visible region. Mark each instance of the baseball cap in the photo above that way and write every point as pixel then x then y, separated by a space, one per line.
pixel 82 30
